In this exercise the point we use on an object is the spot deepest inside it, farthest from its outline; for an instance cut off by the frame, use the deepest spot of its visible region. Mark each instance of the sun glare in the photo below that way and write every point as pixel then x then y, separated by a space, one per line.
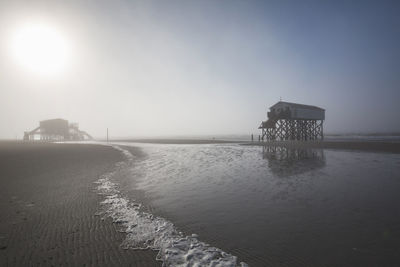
pixel 40 48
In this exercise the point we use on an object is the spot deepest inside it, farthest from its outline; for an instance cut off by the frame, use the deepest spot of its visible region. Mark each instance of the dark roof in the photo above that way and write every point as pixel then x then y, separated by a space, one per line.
pixel 58 119
pixel 298 105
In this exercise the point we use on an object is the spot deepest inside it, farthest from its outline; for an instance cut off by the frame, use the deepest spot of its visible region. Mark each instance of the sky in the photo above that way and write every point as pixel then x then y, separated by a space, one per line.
pixel 167 68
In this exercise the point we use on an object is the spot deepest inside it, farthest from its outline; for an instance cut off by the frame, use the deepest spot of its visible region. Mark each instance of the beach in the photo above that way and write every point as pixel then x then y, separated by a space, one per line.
pixel 48 206
pixel 200 133
pixel 198 202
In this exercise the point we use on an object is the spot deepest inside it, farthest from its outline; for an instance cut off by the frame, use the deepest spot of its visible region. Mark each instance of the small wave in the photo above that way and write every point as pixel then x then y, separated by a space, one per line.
pixel 146 231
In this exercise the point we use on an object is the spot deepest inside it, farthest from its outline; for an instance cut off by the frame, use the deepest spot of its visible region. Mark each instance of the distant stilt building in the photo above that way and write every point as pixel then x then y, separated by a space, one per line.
pixel 291 121
pixel 57 130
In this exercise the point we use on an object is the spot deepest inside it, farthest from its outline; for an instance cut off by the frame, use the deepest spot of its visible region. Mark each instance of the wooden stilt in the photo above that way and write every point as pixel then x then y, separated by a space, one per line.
pixel 296 130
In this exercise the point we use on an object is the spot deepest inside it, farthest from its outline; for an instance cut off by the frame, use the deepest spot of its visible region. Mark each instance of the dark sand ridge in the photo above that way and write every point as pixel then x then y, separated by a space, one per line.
pixel 48 203
pixel 178 141
pixel 372 146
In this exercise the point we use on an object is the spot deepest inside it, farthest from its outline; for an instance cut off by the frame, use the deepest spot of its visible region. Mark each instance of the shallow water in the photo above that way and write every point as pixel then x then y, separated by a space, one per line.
pixel 276 208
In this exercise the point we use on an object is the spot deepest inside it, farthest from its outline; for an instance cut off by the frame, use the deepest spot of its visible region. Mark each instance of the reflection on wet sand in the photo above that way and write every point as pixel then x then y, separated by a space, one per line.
pixel 284 161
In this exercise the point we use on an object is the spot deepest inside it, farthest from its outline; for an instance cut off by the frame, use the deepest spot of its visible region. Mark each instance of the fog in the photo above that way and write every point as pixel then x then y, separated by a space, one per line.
pixel 164 68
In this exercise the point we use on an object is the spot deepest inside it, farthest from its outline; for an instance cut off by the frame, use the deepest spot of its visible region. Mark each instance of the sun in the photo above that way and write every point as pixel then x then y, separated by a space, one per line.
pixel 40 48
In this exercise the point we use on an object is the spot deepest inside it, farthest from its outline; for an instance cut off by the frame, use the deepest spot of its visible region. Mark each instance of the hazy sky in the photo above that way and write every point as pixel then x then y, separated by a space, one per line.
pixel 204 67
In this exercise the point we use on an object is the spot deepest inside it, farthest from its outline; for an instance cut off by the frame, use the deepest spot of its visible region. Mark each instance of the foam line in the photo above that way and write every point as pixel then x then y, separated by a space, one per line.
pixel 145 231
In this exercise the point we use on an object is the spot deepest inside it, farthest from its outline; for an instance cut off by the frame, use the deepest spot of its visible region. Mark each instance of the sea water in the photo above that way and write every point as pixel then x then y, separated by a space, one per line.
pixel 225 205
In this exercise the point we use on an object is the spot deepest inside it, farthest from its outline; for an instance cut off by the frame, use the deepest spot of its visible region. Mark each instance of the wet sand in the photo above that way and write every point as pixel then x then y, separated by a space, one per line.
pixel 48 204
pixel 179 141
pixel 371 146
pixel 278 208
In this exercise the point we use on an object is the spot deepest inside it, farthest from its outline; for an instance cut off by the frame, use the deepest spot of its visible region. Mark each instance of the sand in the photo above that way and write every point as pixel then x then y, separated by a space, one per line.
pixel 371 146
pixel 48 204
pixel 178 141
